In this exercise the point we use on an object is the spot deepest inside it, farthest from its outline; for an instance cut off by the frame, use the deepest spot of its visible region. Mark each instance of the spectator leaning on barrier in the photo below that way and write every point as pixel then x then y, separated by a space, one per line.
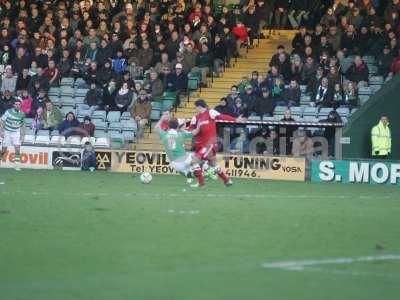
pixel 88 158
pixel 381 139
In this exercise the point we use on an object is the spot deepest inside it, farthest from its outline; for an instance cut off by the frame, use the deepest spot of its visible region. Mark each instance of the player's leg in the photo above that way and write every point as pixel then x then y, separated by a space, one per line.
pixel 212 160
pixel 197 170
pixel 16 141
pixel 5 145
pixel 3 152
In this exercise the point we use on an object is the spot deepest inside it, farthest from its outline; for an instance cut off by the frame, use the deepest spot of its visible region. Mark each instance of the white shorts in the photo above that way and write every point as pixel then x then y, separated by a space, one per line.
pixel 12 139
pixel 183 165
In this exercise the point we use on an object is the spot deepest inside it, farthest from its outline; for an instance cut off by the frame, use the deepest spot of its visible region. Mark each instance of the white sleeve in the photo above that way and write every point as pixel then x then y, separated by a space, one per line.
pixel 193 121
pixel 4 116
pixel 213 113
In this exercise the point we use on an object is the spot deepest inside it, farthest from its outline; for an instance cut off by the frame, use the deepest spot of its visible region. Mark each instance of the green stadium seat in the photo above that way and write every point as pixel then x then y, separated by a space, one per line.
pixel 100 124
pixel 115 127
pixel 99 114
pixel 113 116
pixel 67 101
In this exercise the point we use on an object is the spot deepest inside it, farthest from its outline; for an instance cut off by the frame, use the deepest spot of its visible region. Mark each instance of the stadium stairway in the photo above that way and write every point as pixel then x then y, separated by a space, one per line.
pixel 256 59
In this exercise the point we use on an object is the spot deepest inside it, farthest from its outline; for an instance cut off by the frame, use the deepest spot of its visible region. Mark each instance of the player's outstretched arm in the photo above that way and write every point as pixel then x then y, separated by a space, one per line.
pixel 164 117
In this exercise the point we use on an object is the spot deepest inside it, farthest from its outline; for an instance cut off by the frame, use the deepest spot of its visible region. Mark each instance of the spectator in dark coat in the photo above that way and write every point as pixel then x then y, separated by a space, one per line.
pixel 322 95
pixel 223 108
pixel 291 95
pixel 264 104
pixel 288 131
pixel 87 127
pixel 384 61
pixel 23 80
pixel 69 126
pixel 329 132
pixel 6 102
pixel 249 98
pixel 123 98
pixel 177 81
pixel 358 71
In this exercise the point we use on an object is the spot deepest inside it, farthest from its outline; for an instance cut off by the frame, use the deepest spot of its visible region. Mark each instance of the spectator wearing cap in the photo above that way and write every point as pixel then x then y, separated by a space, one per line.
pixel 141 111
pixel 88 128
pixel 9 81
pixel 264 105
pixel 249 98
pixel 6 101
pixel 52 116
pixel 204 63
pixel 177 81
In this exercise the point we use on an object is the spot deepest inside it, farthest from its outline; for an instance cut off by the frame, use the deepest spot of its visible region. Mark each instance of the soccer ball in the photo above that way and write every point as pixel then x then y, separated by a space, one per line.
pixel 146 177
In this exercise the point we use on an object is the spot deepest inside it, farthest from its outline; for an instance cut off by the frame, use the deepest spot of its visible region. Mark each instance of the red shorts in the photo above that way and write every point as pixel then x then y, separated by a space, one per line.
pixel 206 153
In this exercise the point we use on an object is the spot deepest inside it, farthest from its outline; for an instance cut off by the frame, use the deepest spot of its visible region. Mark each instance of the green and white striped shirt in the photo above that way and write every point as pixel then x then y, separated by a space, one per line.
pixel 13 120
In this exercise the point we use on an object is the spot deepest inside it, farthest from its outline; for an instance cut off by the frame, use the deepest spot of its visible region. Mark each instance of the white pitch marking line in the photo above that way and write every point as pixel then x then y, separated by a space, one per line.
pixel 299 265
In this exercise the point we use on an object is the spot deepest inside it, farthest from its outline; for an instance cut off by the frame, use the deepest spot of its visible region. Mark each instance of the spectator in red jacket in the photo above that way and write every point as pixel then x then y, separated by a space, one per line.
pixel 241 33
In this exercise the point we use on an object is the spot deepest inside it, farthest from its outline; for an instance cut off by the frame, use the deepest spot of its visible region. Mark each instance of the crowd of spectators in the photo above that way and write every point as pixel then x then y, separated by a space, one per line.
pixel 125 50
pixel 118 49
pixel 327 62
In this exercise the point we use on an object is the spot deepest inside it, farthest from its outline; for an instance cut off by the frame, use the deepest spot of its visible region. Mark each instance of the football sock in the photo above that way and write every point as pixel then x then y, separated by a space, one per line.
pixel 221 174
pixel 198 173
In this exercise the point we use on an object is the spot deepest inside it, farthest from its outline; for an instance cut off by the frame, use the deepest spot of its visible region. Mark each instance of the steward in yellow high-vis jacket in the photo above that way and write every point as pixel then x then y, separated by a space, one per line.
pixel 381 139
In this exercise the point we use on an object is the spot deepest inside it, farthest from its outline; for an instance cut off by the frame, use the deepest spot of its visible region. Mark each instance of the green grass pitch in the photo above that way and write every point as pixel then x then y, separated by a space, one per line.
pixel 73 235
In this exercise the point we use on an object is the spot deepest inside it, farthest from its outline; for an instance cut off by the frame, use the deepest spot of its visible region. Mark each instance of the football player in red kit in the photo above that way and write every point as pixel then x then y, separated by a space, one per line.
pixel 205 141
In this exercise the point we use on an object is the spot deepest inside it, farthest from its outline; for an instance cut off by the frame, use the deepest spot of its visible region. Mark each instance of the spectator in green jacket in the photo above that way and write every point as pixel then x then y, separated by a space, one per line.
pixel 381 139
pixel 51 116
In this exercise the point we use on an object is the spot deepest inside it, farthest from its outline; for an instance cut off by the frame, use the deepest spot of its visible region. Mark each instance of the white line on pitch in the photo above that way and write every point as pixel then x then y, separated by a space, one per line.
pixel 298 265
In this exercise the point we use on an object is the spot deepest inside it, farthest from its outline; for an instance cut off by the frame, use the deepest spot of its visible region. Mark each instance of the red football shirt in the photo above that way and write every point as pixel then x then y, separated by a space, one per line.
pixel 208 129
